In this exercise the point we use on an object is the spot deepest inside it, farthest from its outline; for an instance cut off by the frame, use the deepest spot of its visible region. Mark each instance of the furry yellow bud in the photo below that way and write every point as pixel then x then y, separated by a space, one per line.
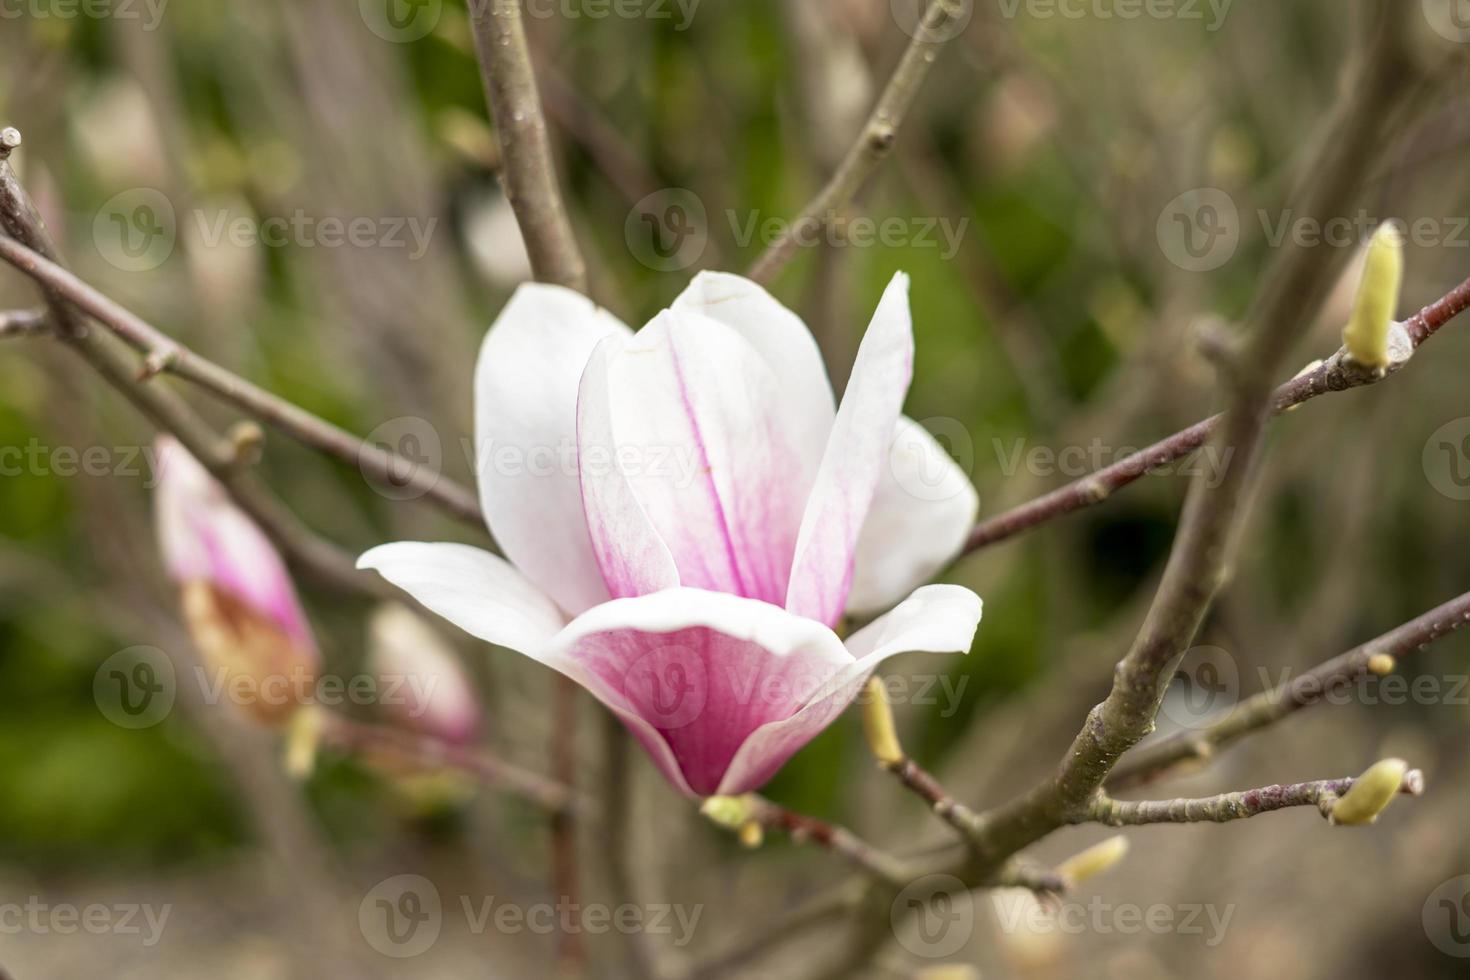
pixel 730 812
pixel 1370 793
pixel 878 724
pixel 1366 335
pixel 1093 861
pixel 751 834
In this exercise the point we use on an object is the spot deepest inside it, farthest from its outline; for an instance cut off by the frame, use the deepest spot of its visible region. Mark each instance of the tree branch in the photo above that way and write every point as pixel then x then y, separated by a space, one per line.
pixel 164 354
pixel 1157 760
pixel 873 143
pixel 309 553
pixel 528 173
pixel 870 860
pixel 1322 794
pixel 1337 373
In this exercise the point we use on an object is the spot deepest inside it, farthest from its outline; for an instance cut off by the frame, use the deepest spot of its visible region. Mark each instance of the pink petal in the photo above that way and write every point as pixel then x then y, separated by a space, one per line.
pixel 935 619
pixel 633 558
pixel 694 673
pixel 697 421
pixel 525 437
pixel 821 574
pixel 922 511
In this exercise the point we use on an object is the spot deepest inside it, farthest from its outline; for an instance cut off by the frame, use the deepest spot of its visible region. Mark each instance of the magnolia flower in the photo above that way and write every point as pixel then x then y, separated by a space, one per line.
pixel 239 603
pixel 424 687
pixel 687 517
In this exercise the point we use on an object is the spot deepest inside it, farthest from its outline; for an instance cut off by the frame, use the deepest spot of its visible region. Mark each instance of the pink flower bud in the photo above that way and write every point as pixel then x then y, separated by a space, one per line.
pixel 422 683
pixel 239 604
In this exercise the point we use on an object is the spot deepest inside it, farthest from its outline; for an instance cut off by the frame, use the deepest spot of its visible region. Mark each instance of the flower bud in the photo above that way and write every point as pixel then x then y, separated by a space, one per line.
pixel 1093 861
pixel 1370 793
pixel 423 685
pixel 1366 335
pixel 239 604
pixel 730 812
pixel 878 724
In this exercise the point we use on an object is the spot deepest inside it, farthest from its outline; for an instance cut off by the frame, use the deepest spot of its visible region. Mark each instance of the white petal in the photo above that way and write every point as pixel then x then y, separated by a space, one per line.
pixel 935 619
pixel 525 437
pixel 854 460
pixel 695 672
pixel 633 558
pixel 784 341
pixel 481 593
pixel 697 420
pixel 922 512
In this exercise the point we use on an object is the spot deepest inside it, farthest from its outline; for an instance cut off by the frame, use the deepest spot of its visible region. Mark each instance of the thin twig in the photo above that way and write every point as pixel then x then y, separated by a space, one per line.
pixel 1153 761
pixel 1338 373
pixel 1322 793
pixel 528 172
pixel 164 354
pixel 870 860
pixel 922 783
pixel 430 753
pixel 873 143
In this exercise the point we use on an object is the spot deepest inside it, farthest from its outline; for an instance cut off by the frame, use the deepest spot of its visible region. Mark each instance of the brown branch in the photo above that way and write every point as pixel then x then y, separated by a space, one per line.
pixel 872 861
pixel 873 143
pixel 426 752
pixel 528 173
pixel 1338 373
pixel 309 553
pixel 1322 794
pixel 164 354
pixel 923 784
pixel 1154 761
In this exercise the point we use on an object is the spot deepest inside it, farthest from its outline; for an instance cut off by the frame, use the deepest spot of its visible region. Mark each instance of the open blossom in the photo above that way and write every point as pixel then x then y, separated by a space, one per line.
pixel 718 518
pixel 239 604
pixel 424 687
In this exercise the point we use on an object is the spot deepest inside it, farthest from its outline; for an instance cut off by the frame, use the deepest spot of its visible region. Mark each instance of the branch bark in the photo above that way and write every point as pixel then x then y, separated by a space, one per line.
pixel 1338 373
pixel 164 354
pixel 1265 709
pixel 528 172
pixel 309 553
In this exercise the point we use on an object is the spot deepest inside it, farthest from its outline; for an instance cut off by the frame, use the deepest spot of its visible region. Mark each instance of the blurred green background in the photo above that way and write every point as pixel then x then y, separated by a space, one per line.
pixel 1050 147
